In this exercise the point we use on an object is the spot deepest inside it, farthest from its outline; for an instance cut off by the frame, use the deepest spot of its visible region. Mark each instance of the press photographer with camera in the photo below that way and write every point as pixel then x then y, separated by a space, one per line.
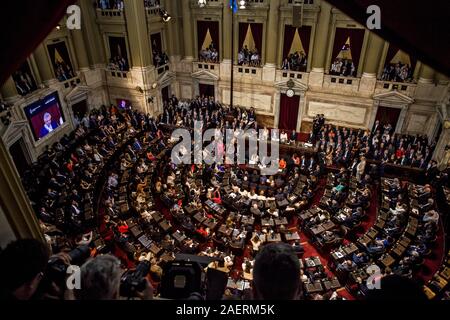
pixel 102 278
pixel 23 265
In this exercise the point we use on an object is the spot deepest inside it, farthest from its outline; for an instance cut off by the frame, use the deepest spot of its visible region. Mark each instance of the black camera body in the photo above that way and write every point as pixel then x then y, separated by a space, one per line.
pixel 133 281
pixel 56 268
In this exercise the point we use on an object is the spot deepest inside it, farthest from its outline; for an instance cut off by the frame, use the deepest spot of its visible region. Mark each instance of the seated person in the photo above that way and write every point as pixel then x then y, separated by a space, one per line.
pixel 347 266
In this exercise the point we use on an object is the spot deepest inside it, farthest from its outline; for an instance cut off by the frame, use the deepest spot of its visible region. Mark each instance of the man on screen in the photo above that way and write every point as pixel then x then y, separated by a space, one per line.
pixel 49 125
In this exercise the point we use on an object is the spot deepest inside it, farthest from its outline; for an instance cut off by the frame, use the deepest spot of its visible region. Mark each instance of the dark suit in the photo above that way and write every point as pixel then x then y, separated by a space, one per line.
pixel 44 131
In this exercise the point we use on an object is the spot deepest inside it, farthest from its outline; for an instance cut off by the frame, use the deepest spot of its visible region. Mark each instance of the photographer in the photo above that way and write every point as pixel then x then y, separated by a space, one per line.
pixel 22 266
pixel 101 280
pixel 276 273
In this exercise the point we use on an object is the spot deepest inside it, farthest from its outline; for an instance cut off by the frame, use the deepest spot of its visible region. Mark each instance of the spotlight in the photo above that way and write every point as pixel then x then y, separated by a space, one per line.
pixel 164 15
pixel 242 4
pixel 202 3
pixel 58 27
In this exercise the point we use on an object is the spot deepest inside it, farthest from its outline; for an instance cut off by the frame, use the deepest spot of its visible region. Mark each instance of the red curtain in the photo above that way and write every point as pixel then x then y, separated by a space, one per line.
pixel 242 32
pixel 202 29
pixel 289 32
pixel 356 41
pixel 305 36
pixel 257 30
pixel 388 115
pixel 288 112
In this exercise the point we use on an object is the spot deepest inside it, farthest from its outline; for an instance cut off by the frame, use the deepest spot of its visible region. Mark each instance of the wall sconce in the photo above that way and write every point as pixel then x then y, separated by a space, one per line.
pixel 202 3
pixel 164 15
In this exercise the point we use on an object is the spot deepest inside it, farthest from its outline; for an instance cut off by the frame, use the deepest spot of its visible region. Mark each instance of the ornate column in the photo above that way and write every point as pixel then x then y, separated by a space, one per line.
pixel 226 31
pixel 320 45
pixel 80 50
pixel 172 30
pixel 442 78
pixel 14 201
pixel 43 64
pixel 441 155
pixel 272 33
pixel 187 31
pixel 372 62
pixel 9 91
pixel 94 43
pixel 426 74
pixel 138 36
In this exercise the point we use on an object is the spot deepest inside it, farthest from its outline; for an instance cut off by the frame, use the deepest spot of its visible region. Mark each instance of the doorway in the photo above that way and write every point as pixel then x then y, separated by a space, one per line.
pixel 20 157
pixel 206 90
pixel 165 94
pixel 288 112
pixel 387 115
pixel 80 109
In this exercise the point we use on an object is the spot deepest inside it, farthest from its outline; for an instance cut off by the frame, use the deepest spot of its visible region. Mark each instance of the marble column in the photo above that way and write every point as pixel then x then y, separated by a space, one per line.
pixel 14 202
pixel 172 32
pixel 226 31
pixel 43 63
pixel 426 74
pixel 9 91
pixel 319 52
pixel 321 37
pixel 80 50
pixel 440 154
pixel 138 36
pixel 373 55
pixel 272 33
pixel 371 63
pixel 95 47
pixel 187 31
pixel 442 78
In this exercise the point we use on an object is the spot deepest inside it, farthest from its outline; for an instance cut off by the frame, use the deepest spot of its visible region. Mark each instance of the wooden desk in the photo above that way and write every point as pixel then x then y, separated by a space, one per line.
pixel 276 237
pixel 225 230
pixel 387 261
pixel 199 217
pixel 292 236
pixel 281 221
pixel 267 222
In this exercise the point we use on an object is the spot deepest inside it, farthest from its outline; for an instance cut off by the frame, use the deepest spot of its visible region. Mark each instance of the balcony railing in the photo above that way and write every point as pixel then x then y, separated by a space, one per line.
pixel 407 88
pixel 153 11
pixel 343 83
pixel 119 74
pixel 160 70
pixel 304 1
pixel 248 72
pixel 110 13
pixel 71 82
pixel 283 75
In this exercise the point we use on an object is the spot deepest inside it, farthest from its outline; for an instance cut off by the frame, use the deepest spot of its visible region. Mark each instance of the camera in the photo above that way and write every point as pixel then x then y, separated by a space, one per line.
pixel 56 268
pixel 133 281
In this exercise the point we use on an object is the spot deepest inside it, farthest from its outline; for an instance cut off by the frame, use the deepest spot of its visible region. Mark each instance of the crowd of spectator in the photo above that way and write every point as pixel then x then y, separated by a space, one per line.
pixel 247 57
pixel 343 146
pixel 24 83
pixel 118 63
pixel 63 71
pixel 110 4
pixel 160 58
pixel 209 54
pixel 399 72
pixel 343 67
pixel 295 62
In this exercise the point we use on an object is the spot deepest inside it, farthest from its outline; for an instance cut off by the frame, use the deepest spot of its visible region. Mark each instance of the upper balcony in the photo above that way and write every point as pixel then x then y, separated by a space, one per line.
pixel 407 88
pixel 114 16
pixel 283 75
pixel 341 84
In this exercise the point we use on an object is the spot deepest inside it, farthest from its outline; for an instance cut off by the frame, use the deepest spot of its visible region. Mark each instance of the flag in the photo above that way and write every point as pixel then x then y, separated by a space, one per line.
pixel 233 5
